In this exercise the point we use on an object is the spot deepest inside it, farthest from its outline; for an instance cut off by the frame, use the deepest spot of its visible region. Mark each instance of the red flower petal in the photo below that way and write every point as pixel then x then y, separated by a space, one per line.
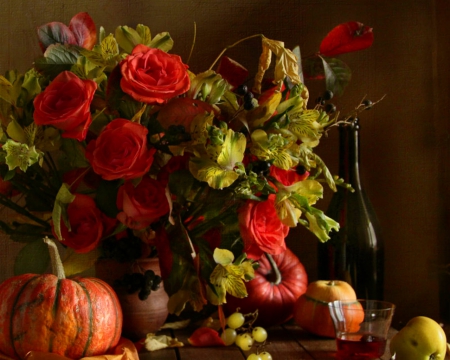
pixel 232 71
pixel 204 337
pixel 347 37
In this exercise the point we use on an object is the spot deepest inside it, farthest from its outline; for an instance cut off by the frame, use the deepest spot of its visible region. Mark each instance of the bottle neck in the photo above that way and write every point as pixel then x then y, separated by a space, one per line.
pixel 349 157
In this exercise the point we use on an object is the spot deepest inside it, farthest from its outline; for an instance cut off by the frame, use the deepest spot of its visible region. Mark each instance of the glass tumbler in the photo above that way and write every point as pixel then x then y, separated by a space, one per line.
pixel 361 327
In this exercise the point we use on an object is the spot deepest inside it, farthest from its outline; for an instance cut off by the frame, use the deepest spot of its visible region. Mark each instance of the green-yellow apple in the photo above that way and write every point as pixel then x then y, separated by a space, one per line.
pixel 421 339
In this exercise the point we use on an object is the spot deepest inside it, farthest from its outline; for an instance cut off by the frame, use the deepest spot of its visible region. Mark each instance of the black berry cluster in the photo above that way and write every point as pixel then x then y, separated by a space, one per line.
pixel 249 100
pixel 137 282
pixel 324 101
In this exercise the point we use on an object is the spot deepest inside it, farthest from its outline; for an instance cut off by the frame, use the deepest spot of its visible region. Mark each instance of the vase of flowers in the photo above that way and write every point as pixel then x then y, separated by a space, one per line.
pixel 112 146
pixel 140 291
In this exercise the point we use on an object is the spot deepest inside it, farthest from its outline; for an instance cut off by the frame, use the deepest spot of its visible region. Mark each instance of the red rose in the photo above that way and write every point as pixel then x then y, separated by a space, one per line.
pixel 120 151
pixel 153 76
pixel 261 229
pixel 64 104
pixel 7 188
pixel 141 205
pixel 287 177
pixel 88 225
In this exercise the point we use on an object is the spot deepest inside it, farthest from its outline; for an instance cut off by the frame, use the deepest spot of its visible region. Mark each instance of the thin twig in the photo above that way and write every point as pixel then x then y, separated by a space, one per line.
pixel 193 43
pixel 233 45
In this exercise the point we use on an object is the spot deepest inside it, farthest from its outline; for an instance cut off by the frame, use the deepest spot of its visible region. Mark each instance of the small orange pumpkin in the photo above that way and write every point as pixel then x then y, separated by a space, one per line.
pixel 311 310
pixel 47 313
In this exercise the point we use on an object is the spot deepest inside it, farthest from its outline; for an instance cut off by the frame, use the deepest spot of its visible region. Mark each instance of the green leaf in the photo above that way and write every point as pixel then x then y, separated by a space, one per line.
pixel 57 58
pixel 337 75
pixel 162 41
pixel 75 153
pixel 127 38
pixel 297 53
pixel 181 177
pixel 63 198
pixel 144 33
pixel 106 197
pixel 33 258
pixel 31 86
pixel 54 32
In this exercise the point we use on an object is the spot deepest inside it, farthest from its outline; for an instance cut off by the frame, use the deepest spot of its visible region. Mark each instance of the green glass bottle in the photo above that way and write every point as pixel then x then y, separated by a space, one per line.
pixel 356 252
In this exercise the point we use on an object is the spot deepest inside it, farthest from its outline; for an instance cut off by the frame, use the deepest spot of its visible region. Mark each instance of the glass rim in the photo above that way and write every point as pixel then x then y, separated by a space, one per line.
pixel 381 304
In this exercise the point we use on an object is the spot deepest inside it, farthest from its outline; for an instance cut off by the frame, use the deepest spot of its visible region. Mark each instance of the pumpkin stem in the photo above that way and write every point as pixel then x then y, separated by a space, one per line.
pixel 57 266
pixel 275 269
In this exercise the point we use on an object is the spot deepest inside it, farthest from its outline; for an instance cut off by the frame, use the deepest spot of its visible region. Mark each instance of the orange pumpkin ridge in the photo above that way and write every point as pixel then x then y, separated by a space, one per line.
pixel 71 317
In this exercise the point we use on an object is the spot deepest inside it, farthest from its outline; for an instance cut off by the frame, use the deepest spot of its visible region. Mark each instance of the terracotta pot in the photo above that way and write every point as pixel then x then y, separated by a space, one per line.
pixel 139 317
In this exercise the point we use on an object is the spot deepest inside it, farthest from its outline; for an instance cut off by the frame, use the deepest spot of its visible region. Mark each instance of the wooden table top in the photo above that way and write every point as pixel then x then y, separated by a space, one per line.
pixel 285 342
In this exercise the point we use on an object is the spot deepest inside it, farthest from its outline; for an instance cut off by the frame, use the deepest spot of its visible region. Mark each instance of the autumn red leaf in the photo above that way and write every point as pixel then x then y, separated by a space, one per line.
pixel 83 27
pixel 81 31
pixel 232 71
pixel 205 337
pixel 345 38
pixel 181 111
pixel 54 33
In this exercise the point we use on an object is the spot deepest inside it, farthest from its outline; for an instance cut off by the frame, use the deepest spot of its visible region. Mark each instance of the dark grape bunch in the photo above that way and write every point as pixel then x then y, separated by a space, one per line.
pixel 249 99
pixel 137 282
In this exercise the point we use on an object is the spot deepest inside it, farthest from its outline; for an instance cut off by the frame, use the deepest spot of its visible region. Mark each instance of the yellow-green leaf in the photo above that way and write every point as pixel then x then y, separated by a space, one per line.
pixel 223 256
pixel 76 263
pixel 127 38
pixel 259 115
pixel 162 41
pixel 310 189
pixel 320 224
pixel 144 33
pixel 16 132
pixel 63 198
pixel 204 169
pixel 5 90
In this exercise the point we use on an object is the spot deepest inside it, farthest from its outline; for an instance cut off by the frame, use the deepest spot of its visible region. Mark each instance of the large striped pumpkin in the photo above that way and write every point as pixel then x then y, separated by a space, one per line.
pixel 72 317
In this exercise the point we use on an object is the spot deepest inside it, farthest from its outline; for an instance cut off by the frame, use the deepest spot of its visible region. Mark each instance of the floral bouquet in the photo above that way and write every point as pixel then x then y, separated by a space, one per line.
pixel 113 147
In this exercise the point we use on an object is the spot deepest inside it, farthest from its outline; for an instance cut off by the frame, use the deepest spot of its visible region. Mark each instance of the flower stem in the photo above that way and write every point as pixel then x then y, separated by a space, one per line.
pixel 275 270
pixel 233 45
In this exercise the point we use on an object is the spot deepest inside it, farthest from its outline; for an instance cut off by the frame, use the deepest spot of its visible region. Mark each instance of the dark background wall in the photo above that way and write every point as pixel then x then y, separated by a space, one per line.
pixel 404 139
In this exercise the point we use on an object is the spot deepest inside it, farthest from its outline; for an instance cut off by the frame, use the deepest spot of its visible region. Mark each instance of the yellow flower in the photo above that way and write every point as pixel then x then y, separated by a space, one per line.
pixel 229 277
